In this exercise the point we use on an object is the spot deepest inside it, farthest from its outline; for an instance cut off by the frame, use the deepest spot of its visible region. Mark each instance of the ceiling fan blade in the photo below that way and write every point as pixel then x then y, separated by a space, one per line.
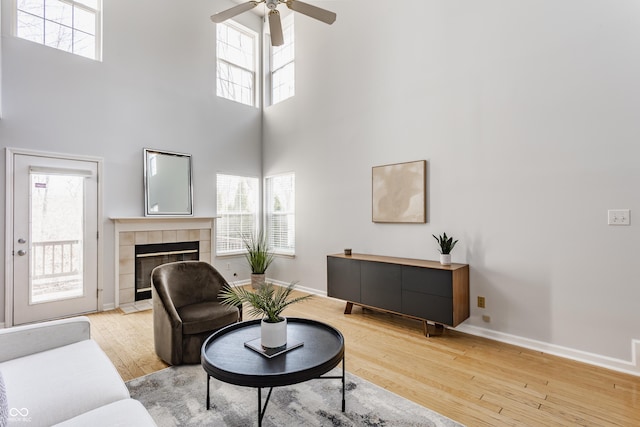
pixel 275 28
pixel 235 10
pixel 315 12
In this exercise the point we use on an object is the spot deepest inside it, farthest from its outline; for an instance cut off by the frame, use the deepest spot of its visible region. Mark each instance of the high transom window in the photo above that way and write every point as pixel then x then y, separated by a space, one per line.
pixel 283 65
pixel 69 25
pixel 237 60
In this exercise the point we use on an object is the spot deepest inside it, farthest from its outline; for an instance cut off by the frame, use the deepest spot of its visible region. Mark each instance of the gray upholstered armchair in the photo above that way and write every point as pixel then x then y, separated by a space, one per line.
pixel 186 309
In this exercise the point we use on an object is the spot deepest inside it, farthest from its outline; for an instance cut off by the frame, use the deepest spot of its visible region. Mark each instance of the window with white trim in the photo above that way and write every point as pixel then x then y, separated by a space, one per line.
pixel 238 203
pixel 280 213
pixel 70 25
pixel 237 62
pixel 283 71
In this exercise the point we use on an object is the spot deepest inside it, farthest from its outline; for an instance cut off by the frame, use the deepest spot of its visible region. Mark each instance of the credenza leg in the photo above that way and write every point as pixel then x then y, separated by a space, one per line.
pixel 348 308
pixel 437 328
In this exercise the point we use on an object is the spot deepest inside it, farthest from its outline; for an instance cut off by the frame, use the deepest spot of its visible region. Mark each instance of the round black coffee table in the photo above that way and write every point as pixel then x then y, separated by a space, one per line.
pixel 226 358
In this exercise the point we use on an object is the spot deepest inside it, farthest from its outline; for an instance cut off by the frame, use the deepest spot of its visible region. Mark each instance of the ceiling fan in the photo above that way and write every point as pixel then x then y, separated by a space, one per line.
pixel 275 26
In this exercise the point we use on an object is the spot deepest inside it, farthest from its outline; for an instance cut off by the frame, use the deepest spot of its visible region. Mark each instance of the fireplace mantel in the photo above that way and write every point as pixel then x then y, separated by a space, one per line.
pixel 130 231
pixel 146 223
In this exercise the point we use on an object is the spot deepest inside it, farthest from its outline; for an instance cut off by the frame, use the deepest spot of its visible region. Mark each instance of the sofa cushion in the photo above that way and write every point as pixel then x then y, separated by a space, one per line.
pixel 23 340
pixel 199 317
pixel 62 383
pixel 123 413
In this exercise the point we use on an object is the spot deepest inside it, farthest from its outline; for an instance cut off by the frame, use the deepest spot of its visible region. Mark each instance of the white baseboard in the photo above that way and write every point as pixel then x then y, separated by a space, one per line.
pixel 109 306
pixel 240 283
pixel 628 367
pixel 281 283
pixel 300 288
pixel 2 325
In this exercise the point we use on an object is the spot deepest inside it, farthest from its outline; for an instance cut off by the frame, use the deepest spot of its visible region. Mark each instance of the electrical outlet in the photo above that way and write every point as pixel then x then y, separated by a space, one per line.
pixel 618 217
pixel 228 266
pixel 481 302
pixel 486 318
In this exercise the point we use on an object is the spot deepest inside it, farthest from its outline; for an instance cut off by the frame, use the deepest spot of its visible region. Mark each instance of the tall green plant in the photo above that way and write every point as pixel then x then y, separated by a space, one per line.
pixel 446 243
pixel 258 254
pixel 267 301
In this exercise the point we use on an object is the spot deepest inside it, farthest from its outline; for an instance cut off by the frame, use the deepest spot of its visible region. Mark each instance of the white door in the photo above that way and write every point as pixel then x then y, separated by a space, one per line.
pixel 55 237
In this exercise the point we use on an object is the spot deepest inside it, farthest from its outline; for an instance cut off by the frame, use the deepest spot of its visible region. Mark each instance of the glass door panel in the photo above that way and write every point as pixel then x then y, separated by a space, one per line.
pixel 57 212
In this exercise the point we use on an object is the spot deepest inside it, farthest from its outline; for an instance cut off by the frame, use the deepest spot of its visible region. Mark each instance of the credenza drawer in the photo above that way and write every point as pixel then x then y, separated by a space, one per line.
pixel 427 281
pixel 425 306
pixel 343 279
pixel 380 285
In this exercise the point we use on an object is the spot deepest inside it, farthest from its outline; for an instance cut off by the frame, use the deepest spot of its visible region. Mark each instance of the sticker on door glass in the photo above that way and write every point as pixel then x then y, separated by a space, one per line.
pixel 41 185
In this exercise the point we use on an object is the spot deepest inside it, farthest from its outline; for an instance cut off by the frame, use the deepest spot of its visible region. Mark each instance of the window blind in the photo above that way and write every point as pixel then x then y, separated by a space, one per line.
pixel 280 213
pixel 237 208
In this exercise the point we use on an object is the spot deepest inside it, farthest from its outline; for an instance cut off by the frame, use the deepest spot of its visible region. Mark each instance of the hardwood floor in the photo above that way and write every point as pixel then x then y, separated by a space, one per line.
pixel 473 380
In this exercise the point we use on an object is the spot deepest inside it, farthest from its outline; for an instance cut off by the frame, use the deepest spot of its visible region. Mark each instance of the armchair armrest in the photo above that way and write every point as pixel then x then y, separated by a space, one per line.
pixel 24 340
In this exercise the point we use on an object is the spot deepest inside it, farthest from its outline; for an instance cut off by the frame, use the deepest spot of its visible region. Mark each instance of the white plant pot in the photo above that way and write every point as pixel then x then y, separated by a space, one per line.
pixel 445 259
pixel 273 335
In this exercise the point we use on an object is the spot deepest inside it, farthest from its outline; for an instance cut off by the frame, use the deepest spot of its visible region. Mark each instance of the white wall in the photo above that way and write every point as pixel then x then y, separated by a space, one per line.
pixel 527 113
pixel 154 88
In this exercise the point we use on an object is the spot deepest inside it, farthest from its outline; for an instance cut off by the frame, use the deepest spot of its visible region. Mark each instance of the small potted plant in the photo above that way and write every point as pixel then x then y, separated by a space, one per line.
pixel 446 246
pixel 259 258
pixel 267 301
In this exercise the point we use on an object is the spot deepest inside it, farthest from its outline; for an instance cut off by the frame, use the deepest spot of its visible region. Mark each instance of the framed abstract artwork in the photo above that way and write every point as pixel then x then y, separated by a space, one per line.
pixel 399 192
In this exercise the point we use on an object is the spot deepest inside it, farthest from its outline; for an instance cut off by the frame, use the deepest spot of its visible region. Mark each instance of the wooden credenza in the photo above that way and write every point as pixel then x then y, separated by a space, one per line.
pixel 424 290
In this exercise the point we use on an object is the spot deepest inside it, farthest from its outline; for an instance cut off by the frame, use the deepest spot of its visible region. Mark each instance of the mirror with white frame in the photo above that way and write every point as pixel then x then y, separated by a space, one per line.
pixel 168 183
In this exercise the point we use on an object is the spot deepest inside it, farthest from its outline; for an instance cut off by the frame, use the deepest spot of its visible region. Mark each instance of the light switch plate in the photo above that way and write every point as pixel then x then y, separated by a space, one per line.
pixel 618 217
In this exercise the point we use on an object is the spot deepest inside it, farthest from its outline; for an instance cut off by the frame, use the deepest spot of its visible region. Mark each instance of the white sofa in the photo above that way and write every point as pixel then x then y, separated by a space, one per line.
pixel 55 374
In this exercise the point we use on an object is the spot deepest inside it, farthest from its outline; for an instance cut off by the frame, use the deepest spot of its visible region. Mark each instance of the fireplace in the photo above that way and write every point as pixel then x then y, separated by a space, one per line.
pixel 133 231
pixel 148 257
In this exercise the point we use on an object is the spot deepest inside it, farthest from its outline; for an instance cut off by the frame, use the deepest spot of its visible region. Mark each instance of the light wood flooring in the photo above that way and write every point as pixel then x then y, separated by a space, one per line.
pixel 475 381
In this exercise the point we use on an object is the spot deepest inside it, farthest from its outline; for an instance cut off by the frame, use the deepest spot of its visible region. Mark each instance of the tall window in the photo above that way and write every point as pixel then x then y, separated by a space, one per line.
pixel 69 25
pixel 280 207
pixel 238 205
pixel 237 63
pixel 283 65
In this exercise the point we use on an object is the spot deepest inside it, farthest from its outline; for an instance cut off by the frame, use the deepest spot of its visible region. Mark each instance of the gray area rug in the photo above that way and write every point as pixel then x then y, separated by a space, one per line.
pixel 176 396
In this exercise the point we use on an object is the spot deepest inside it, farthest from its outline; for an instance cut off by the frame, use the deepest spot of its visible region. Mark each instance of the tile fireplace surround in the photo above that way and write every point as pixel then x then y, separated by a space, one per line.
pixel 146 230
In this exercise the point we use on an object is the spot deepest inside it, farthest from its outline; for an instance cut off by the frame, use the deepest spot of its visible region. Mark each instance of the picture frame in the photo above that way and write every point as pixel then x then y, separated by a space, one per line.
pixel 399 192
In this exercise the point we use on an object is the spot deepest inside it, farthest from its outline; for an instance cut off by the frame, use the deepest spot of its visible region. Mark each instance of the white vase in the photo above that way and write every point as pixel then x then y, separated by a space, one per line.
pixel 273 335
pixel 445 259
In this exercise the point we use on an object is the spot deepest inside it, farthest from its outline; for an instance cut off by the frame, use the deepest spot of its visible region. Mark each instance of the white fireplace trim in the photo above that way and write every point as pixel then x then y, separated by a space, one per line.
pixel 170 228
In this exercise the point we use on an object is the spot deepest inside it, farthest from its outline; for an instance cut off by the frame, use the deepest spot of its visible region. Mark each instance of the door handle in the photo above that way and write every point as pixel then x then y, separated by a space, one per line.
pixel 22 252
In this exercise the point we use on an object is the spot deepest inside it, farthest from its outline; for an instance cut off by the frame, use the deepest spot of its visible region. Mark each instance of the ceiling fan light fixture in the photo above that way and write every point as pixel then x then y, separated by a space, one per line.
pixel 272 4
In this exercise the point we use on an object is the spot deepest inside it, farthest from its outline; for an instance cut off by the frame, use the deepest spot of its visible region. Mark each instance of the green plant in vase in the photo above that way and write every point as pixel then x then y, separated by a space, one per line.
pixel 268 301
pixel 446 246
pixel 259 257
